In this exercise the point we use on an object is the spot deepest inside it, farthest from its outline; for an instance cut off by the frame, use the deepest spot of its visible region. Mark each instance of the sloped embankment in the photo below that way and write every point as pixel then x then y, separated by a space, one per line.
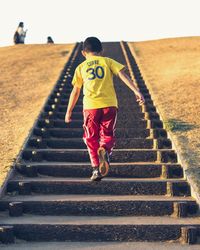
pixel 171 69
pixel 28 73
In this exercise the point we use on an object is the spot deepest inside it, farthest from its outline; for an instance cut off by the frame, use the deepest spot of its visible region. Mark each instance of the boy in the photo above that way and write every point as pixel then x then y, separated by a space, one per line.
pixel 99 104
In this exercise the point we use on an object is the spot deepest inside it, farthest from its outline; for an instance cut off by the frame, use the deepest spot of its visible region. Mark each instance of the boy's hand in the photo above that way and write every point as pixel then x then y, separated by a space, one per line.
pixel 140 98
pixel 68 117
pixel 126 79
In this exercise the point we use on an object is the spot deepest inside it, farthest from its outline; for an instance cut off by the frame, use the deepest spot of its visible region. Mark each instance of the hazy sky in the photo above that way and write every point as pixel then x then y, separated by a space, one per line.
pixel 110 20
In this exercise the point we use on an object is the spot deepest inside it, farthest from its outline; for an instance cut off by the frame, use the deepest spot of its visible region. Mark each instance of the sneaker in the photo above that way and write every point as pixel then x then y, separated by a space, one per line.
pixel 103 161
pixel 96 175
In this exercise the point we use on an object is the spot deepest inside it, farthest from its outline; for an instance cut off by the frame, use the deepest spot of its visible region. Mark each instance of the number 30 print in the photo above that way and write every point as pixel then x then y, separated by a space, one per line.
pixel 97 72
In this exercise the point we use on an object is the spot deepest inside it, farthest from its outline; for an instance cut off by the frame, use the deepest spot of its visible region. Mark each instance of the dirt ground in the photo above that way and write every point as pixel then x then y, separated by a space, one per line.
pixel 171 69
pixel 28 73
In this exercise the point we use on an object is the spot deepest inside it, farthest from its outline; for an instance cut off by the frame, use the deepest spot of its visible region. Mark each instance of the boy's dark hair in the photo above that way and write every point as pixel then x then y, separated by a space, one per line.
pixel 92 44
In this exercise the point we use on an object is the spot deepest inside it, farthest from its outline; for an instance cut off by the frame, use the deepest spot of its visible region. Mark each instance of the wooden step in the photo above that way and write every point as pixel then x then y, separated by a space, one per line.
pixel 77 143
pixel 114 186
pixel 120 132
pixel 101 205
pixel 87 228
pixel 118 170
pixel 118 155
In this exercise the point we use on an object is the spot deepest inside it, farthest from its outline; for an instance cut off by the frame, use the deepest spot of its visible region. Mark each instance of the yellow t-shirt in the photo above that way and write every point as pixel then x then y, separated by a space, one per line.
pixel 95 74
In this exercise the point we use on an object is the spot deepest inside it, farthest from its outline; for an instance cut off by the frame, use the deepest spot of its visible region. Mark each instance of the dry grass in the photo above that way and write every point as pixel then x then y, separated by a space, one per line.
pixel 171 68
pixel 28 73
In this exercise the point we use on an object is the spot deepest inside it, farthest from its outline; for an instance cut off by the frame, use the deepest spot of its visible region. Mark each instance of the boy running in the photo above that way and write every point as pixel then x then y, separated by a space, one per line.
pixel 95 74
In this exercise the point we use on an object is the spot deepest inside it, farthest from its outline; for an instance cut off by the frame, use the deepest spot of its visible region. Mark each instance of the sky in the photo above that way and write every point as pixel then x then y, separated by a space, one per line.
pixel 69 21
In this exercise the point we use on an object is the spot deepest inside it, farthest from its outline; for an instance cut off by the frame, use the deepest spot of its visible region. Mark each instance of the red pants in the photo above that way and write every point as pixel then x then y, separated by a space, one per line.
pixel 99 128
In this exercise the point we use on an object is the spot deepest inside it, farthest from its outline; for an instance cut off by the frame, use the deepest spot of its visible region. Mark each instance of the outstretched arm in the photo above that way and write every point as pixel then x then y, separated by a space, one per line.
pixel 126 79
pixel 72 102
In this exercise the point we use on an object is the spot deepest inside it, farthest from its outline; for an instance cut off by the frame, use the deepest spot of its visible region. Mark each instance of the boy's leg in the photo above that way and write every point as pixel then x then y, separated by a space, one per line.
pixel 91 133
pixel 107 128
pixel 107 138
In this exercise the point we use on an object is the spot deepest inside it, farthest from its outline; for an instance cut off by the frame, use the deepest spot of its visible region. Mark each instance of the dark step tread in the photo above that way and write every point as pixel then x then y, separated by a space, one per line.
pixel 117 186
pixel 113 164
pixel 24 198
pixel 74 150
pixel 129 170
pixel 118 129
pixel 101 205
pixel 80 139
pixel 35 140
pixel 60 123
pixel 120 132
pixel 86 180
pixel 127 155
pixel 98 220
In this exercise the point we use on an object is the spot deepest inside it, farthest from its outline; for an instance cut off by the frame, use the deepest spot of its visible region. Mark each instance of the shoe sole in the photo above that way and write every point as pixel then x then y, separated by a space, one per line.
pixel 103 163
pixel 97 179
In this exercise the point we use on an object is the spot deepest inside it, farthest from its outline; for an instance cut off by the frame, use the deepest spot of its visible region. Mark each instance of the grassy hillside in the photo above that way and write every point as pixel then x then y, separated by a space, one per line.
pixel 28 73
pixel 172 71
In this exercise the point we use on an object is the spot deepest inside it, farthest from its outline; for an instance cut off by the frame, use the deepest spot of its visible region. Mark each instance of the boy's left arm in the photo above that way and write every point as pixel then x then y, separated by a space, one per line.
pixel 72 102
pixel 126 79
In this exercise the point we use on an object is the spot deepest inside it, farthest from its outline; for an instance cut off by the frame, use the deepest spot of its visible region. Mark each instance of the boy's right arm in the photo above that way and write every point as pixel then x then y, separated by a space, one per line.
pixel 72 102
pixel 126 79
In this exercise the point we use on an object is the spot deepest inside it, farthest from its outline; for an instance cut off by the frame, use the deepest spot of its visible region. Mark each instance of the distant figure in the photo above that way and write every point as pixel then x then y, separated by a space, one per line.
pixel 49 39
pixel 20 34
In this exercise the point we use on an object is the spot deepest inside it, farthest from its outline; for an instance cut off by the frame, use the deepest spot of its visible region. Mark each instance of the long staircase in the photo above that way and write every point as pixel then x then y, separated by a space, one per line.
pixel 145 197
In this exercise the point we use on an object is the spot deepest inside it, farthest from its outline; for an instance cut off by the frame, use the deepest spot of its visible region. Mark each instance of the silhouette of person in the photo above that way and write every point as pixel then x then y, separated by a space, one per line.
pixel 49 39
pixel 20 34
